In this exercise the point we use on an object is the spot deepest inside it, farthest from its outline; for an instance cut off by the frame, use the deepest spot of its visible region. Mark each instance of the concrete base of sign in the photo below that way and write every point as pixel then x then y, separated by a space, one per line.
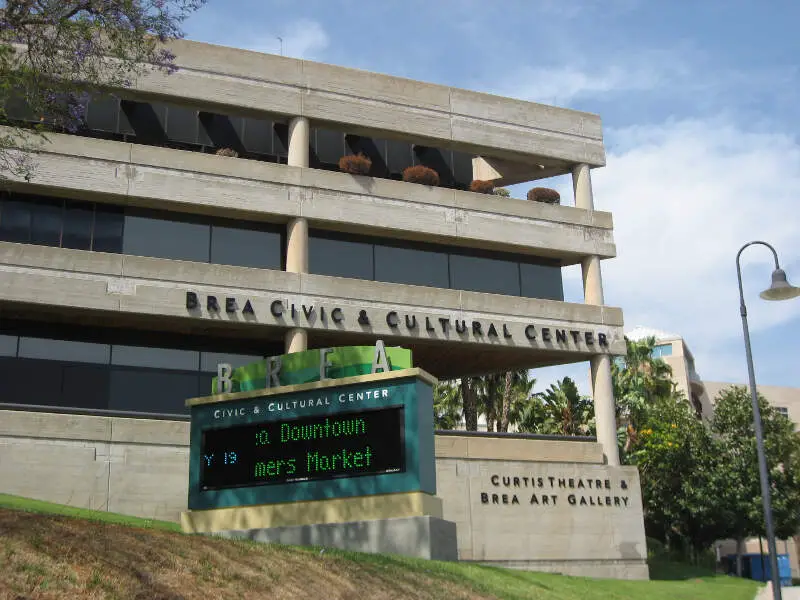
pixel 421 537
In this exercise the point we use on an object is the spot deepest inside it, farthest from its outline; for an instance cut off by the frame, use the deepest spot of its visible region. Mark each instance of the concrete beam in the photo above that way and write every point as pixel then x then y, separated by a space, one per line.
pixel 223 186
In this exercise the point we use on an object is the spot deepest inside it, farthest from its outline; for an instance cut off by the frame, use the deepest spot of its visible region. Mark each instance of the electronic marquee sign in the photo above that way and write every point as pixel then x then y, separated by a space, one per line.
pixel 351 436
pixel 348 444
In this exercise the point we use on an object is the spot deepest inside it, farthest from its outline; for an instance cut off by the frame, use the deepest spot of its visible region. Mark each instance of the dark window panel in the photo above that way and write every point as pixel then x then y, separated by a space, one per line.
pixel 411 266
pixel 246 247
pixel 85 386
pixel 222 131
pixel 108 225
pixel 462 170
pixel 210 360
pixel 374 149
pixel 257 136
pixel 15 221
pixel 46 222
pixel 146 236
pixel 64 350
pixel 141 390
pixel 8 345
pixel 102 114
pixel 541 281
pixel 18 109
pixel 434 158
pixel 78 219
pixel 182 124
pixel 398 157
pixel 280 139
pixel 28 381
pixel 339 257
pixel 480 274
pixel 155 358
pixel 207 384
pixel 328 146
pixel 148 121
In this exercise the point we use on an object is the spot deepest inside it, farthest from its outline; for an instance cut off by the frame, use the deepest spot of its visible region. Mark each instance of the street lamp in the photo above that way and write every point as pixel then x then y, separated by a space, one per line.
pixel 780 289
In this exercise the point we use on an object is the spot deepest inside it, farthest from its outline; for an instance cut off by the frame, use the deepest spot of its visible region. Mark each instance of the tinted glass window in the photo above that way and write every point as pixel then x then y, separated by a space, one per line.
pixel 541 281
pixel 480 274
pixel 257 136
pixel 210 360
pixel 30 347
pixel 152 391
pixel 108 224
pixel 411 266
pixel 85 386
pixel 15 221
pixel 145 236
pixel 78 219
pixel 339 257
pixel 101 114
pixel 246 247
pixel 156 358
pixel 46 218
pixel 8 345
pixel 26 381
pixel 182 124
pixel 398 156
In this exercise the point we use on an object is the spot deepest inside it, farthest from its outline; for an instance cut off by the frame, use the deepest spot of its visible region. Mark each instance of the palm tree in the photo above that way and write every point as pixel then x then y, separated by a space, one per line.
pixel 446 405
pixel 640 381
pixel 565 411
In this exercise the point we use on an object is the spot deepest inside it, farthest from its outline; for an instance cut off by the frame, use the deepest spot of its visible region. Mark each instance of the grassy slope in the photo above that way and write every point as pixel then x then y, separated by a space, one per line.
pixel 102 555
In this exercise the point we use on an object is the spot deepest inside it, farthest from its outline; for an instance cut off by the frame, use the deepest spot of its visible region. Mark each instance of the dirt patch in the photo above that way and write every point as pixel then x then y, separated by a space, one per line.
pixel 45 557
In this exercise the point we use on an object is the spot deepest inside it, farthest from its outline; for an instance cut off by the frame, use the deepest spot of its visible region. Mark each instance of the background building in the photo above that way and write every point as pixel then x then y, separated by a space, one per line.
pixel 674 351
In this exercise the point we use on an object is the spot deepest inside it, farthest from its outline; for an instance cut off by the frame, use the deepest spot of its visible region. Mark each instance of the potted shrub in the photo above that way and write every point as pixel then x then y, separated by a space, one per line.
pixel 421 174
pixel 546 195
pixel 355 164
pixel 479 186
pixel 227 152
pixel 501 191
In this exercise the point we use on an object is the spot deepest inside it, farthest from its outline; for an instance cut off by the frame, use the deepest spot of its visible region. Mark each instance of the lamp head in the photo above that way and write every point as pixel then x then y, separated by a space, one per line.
pixel 780 288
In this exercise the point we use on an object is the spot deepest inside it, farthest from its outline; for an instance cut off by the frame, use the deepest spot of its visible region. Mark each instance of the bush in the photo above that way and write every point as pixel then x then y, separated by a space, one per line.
pixel 355 164
pixel 480 186
pixel 502 192
pixel 421 174
pixel 227 152
pixel 546 195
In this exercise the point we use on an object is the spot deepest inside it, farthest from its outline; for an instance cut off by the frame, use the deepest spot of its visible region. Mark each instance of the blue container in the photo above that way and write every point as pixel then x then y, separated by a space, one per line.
pixel 752 567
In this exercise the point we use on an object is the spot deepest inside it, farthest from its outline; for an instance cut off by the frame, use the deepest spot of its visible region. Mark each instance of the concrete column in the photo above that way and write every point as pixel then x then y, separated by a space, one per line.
pixel 602 386
pixel 296 339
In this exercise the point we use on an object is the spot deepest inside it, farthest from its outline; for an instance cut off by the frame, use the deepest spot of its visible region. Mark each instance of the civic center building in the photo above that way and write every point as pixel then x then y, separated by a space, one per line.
pixel 136 260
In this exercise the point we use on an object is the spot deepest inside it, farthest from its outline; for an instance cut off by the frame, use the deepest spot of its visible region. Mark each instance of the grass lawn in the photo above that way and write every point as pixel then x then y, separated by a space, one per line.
pixel 57 552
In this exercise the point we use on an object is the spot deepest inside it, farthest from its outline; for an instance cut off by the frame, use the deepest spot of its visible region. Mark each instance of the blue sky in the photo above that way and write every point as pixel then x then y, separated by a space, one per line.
pixel 700 104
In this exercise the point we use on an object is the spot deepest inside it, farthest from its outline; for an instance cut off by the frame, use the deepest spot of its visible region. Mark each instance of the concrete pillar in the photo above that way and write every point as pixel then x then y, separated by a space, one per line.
pixel 602 386
pixel 296 339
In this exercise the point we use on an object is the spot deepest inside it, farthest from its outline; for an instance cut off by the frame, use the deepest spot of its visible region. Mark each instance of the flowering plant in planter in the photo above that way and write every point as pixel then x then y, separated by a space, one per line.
pixel 355 164
pixel 227 152
pixel 480 186
pixel 421 174
pixel 546 195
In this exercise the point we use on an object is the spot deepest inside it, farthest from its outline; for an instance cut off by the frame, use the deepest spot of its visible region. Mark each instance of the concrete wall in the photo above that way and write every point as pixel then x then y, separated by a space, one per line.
pixel 140 467
pixel 207 184
pixel 117 284
pixel 375 104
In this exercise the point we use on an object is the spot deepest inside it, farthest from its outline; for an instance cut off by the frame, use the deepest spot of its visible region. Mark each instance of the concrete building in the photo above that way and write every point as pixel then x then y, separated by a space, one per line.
pixel 136 259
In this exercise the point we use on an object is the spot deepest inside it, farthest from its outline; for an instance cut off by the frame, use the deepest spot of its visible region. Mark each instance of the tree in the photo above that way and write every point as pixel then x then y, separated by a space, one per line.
pixel 640 382
pixel 684 478
pixel 446 405
pixel 733 425
pixel 55 54
pixel 565 411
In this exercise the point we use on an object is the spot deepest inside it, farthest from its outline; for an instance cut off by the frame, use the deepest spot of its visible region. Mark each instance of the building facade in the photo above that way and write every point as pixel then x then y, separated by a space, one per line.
pixel 137 259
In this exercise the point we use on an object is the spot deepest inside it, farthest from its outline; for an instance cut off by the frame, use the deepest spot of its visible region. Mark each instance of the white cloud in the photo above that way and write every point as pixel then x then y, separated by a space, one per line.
pixel 685 196
pixel 301 39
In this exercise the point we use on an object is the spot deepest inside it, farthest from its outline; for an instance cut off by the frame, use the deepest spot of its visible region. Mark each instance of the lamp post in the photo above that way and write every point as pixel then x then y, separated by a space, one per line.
pixel 780 289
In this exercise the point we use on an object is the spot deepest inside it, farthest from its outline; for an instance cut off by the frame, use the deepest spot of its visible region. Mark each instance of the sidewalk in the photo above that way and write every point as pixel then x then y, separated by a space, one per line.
pixel 787 593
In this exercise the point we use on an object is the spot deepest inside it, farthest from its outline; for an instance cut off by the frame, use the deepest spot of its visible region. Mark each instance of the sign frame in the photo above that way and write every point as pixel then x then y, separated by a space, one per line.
pixel 410 388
